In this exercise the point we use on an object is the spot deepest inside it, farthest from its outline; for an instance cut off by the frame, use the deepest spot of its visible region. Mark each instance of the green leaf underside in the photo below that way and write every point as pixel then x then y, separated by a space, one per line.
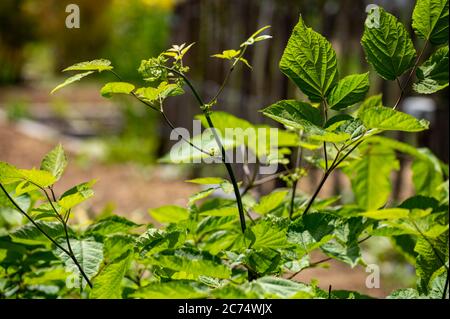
pixel 169 214
pixel 430 20
pixel 192 263
pixel 387 119
pixel 387 44
pixel 94 65
pixel 89 254
pixel 108 283
pixel 270 202
pixel 116 88
pixel 310 62
pixel 72 79
pixel 55 162
pixel 432 75
pixel 176 289
pixel 303 116
pixel 370 177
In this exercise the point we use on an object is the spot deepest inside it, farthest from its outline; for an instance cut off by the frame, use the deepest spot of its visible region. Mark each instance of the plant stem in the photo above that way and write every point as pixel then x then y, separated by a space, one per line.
pixel 294 184
pixel 166 119
pixel 317 191
pixel 333 166
pixel 227 76
pixel 225 161
pixel 264 180
pixel 71 255
pixel 445 287
pixel 408 79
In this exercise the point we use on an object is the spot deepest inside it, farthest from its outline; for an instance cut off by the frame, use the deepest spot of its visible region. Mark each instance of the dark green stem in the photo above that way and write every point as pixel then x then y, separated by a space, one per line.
pixel 71 255
pixel 225 161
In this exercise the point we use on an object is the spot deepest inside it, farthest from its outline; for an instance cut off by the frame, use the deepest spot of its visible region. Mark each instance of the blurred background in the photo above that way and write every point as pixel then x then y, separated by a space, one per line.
pixel 119 141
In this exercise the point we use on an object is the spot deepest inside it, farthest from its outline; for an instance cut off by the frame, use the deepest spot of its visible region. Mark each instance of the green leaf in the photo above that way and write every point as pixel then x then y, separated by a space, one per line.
pixel 55 162
pixel 117 244
pixel 294 114
pixel 176 289
pixel 266 287
pixel 270 202
pixel 111 225
pixel 206 180
pixel 200 195
pixel 263 261
pixel 370 177
pixel 387 213
pixel 30 235
pixel 438 284
pixel 29 179
pixel 72 79
pixel 108 283
pixel 345 294
pixel 431 255
pixel 430 20
pixel 344 246
pixel 45 276
pixel 385 118
pixel 116 88
pixel 182 152
pixel 310 61
pixel 227 54
pixel 268 235
pixel 9 209
pixel 76 195
pixel 311 231
pixel 88 253
pixel 220 241
pixel 214 223
pixel 387 44
pixel 406 293
pixel 169 214
pixel 303 116
pixel 348 91
pixel 274 287
pixel 372 101
pixel 433 73
pixel 192 262
pixel 158 94
pixel 94 65
pixel 427 173
pixel 155 240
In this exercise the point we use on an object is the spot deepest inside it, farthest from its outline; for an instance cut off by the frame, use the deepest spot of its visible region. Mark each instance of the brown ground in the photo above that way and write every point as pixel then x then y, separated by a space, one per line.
pixel 131 189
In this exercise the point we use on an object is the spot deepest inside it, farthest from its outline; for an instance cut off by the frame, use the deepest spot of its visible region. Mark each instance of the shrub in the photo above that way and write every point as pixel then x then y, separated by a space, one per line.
pixel 249 247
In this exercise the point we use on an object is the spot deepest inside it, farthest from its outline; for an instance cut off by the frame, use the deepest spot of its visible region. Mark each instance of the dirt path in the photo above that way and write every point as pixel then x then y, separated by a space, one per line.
pixel 132 189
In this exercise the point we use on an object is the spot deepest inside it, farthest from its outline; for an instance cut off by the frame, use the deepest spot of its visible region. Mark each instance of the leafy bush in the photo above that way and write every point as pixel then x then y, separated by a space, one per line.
pixel 250 247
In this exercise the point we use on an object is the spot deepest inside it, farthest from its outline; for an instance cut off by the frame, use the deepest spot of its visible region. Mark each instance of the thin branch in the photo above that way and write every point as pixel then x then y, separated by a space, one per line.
pixel 408 79
pixel 166 119
pixel 225 161
pixel 227 76
pixel 46 235
pixel 298 163
pixel 444 295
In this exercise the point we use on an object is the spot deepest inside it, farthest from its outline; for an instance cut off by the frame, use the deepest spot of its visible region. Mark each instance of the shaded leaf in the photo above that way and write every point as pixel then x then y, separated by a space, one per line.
pixel 430 20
